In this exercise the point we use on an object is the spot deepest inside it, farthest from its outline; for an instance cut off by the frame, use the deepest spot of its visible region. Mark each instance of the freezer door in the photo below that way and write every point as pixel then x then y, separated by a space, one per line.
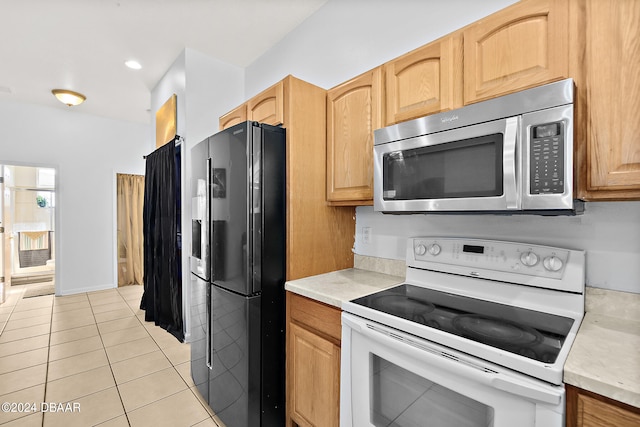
pixel 231 222
pixel 200 342
pixel 235 378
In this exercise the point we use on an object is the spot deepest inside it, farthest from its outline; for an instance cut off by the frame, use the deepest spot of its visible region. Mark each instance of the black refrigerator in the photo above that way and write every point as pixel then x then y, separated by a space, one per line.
pixel 237 262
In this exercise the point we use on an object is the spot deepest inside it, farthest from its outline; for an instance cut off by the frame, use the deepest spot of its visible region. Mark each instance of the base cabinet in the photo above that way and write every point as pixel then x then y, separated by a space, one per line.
pixel 313 363
pixel 587 409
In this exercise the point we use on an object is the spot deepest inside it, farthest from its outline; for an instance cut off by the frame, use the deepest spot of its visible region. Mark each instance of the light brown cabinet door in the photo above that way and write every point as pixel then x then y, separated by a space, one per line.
pixel 354 111
pixel 608 83
pixel 518 47
pixel 586 409
pixel 313 362
pixel 424 81
pixel 233 117
pixel 315 379
pixel 268 106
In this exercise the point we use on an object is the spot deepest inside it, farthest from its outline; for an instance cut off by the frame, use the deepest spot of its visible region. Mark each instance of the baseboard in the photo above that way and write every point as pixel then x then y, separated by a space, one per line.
pixel 67 292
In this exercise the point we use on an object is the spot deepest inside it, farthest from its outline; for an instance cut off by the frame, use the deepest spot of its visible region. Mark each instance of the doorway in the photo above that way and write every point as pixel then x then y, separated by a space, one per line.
pixel 130 252
pixel 28 211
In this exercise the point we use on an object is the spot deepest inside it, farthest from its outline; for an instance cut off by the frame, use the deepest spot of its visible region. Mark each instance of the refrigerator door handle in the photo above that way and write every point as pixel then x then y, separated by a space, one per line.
pixel 256 211
pixel 206 227
pixel 209 329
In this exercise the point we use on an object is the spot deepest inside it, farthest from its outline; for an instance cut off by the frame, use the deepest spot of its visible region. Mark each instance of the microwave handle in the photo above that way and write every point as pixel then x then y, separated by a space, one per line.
pixel 509 164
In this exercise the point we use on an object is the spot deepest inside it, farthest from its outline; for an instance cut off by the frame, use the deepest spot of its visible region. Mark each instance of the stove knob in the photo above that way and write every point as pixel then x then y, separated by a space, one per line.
pixel 552 263
pixel 529 259
pixel 434 249
pixel 420 250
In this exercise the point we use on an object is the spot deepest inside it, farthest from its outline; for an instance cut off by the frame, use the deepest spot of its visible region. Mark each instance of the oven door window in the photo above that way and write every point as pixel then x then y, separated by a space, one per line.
pixel 401 398
pixel 464 168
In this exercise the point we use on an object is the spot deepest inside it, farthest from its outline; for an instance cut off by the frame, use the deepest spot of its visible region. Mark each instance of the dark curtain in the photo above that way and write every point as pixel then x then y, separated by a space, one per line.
pixel 162 297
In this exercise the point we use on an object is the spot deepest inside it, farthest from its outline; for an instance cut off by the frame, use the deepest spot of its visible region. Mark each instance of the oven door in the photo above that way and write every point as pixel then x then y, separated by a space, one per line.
pixel 389 378
pixel 472 168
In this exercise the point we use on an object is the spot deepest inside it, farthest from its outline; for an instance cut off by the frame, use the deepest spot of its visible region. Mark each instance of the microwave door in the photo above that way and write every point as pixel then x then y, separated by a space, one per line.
pixel 472 168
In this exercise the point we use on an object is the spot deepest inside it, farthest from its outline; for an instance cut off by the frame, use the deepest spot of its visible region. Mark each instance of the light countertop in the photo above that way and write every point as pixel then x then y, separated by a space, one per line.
pixel 604 358
pixel 339 286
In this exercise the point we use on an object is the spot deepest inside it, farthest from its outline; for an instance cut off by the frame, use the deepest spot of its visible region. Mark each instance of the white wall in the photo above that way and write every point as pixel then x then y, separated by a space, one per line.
pixel 608 231
pixel 87 152
pixel 206 89
pixel 173 82
pixel 348 37
pixel 345 38
pixel 213 89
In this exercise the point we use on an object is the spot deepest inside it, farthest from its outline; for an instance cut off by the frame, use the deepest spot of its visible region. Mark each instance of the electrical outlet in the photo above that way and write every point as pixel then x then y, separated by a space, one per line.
pixel 366 235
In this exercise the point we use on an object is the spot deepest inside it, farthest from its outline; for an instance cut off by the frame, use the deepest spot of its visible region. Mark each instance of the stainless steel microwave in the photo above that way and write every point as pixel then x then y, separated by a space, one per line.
pixel 512 154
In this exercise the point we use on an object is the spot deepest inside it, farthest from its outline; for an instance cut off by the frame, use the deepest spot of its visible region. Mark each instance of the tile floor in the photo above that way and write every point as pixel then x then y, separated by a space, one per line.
pixel 93 350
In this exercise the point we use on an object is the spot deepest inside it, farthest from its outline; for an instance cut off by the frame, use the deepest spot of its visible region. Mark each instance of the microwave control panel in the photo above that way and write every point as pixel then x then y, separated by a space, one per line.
pixel 547 159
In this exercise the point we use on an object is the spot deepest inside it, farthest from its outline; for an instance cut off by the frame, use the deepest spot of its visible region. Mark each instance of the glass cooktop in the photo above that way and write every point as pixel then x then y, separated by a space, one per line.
pixel 529 333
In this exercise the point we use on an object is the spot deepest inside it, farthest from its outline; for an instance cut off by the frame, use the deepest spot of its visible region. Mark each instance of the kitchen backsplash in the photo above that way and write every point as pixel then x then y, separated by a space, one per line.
pixel 393 267
pixel 609 232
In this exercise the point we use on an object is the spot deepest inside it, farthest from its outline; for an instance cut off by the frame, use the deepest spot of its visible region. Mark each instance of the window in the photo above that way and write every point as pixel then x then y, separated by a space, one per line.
pixel 46 178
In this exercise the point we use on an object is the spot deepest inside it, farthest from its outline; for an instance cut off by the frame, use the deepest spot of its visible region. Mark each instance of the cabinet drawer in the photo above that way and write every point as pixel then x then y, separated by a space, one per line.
pixel 315 315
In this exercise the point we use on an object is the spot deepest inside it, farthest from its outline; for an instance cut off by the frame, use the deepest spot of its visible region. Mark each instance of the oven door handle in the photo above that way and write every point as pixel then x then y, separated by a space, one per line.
pixel 528 390
pixel 443 359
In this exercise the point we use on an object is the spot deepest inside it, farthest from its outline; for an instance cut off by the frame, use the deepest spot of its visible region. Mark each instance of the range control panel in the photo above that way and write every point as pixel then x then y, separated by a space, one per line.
pixel 497 256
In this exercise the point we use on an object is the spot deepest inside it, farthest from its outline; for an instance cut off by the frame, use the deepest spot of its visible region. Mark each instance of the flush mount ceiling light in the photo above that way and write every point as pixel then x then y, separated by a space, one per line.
pixel 134 65
pixel 69 97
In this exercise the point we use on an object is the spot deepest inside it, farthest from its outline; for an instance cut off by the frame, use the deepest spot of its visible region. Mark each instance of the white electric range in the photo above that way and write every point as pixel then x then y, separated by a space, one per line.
pixel 478 324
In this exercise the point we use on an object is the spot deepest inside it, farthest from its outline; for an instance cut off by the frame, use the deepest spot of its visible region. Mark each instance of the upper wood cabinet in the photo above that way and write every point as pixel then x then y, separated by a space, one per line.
pixel 605 64
pixel 268 106
pixel 424 81
pixel 233 117
pixel 521 46
pixel 354 111
pixel 312 226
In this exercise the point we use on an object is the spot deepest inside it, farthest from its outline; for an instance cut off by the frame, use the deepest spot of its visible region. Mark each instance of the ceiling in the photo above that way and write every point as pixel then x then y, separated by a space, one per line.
pixel 82 45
